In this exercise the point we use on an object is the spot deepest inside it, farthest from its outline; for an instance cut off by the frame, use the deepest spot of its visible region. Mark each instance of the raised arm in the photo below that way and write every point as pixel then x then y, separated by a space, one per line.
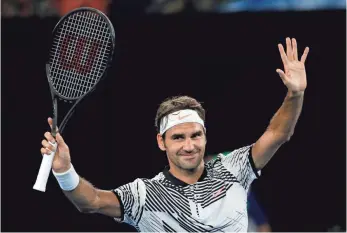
pixel 282 125
pixel 79 191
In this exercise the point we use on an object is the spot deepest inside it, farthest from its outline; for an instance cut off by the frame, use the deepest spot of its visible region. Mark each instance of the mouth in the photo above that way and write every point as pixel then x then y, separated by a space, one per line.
pixel 189 156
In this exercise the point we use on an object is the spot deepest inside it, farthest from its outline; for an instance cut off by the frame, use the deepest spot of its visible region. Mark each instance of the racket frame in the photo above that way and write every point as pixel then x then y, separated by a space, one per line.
pixel 55 93
pixel 47 160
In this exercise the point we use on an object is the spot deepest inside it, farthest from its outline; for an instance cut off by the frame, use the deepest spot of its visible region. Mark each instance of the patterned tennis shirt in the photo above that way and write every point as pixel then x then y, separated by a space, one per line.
pixel 217 202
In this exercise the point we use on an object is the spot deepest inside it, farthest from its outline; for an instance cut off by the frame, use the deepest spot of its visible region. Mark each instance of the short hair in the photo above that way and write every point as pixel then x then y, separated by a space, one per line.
pixel 177 103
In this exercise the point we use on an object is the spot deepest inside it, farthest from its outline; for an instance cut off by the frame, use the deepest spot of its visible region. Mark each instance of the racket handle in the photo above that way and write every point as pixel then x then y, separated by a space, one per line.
pixel 45 169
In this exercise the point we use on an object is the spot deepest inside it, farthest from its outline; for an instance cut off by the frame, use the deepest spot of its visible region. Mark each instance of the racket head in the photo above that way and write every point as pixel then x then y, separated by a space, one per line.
pixel 83 43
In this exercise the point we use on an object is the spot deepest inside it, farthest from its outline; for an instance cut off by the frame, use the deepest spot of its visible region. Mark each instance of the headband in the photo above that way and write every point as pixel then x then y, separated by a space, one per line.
pixel 179 117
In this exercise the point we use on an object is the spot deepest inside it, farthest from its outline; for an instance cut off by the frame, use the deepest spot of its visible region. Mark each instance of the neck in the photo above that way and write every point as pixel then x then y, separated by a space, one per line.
pixel 187 176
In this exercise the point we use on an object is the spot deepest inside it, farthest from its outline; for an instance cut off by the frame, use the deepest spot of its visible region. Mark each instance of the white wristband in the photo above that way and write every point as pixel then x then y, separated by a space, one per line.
pixel 67 180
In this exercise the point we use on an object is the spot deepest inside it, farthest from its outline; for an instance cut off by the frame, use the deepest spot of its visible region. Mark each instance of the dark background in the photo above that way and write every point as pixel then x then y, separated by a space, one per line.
pixel 226 61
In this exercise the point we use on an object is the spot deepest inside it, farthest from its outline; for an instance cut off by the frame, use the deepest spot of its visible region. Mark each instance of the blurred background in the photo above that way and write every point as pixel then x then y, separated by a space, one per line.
pixel 224 53
pixel 44 8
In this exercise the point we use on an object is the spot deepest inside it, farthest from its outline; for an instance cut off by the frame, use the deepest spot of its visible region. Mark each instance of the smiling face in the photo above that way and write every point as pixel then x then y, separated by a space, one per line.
pixel 184 145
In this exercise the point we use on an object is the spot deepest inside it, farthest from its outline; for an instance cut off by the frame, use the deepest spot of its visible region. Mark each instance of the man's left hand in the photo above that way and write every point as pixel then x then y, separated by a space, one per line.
pixel 294 75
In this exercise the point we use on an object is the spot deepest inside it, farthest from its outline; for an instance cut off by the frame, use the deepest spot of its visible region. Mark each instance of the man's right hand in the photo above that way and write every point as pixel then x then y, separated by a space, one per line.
pixel 85 196
pixel 62 159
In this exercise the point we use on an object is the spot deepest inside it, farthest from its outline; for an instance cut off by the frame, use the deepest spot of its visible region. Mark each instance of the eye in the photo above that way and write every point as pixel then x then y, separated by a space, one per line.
pixel 177 137
pixel 197 135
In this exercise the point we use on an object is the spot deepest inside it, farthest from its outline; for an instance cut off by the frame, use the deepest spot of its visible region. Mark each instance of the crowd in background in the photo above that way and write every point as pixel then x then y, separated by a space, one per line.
pixel 44 8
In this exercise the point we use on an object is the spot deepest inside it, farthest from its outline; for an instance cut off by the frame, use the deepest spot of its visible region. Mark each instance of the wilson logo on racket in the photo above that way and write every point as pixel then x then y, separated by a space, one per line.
pixel 83 57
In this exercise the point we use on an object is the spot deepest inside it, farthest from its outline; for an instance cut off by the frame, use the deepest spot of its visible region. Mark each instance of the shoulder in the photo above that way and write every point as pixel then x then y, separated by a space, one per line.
pixel 242 151
pixel 216 159
pixel 159 178
pixel 231 158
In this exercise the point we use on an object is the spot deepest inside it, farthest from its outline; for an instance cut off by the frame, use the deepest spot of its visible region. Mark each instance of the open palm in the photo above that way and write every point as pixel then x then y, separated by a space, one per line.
pixel 294 75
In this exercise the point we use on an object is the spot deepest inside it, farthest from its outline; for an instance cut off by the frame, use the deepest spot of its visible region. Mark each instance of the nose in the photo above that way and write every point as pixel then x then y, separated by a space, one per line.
pixel 188 145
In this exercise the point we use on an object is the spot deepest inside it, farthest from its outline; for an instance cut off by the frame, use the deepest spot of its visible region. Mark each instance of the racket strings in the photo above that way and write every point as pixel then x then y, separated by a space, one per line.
pixel 80 52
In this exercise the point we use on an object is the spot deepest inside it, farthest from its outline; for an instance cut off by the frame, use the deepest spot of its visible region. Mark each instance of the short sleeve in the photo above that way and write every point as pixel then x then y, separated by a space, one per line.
pixel 132 198
pixel 240 163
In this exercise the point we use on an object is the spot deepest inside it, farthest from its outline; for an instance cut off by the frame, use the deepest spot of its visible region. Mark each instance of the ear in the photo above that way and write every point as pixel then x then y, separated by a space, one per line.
pixel 205 136
pixel 160 141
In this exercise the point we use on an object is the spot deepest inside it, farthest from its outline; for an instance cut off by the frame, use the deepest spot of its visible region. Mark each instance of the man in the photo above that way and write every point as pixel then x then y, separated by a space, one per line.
pixel 189 195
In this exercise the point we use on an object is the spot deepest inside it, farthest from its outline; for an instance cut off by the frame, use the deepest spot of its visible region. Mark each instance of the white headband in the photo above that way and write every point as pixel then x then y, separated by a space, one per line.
pixel 179 117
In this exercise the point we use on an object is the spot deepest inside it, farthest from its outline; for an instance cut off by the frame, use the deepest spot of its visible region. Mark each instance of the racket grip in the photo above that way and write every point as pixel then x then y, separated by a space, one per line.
pixel 45 169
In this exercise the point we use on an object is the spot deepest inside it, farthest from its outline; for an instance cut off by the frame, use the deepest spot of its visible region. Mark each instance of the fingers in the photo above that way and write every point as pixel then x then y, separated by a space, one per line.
pixel 60 139
pixel 47 147
pixel 47 144
pixel 283 56
pixel 282 75
pixel 304 55
pixel 49 137
pixel 295 49
pixel 50 122
pixel 289 49
pixel 45 151
pixel 292 52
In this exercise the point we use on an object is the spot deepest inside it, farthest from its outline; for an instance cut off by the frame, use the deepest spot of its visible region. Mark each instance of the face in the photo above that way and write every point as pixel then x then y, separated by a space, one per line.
pixel 184 145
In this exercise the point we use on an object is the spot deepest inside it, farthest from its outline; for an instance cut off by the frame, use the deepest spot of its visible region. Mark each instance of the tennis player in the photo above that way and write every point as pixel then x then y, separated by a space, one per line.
pixel 189 195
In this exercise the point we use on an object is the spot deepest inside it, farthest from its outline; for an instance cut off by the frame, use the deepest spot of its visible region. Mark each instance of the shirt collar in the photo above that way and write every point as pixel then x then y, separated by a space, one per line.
pixel 179 182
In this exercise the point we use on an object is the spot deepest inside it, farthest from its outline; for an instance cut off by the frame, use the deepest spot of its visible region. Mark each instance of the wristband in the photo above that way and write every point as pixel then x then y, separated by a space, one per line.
pixel 68 180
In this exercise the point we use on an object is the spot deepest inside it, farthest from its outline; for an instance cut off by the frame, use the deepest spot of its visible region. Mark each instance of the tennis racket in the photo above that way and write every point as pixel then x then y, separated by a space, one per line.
pixel 83 42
